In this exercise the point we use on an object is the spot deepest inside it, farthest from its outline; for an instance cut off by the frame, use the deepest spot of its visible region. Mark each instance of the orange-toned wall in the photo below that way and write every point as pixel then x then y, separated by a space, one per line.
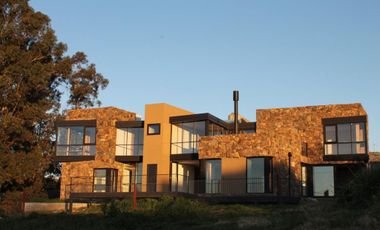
pixel 157 147
pixel 280 131
pixel 234 175
pixel 81 173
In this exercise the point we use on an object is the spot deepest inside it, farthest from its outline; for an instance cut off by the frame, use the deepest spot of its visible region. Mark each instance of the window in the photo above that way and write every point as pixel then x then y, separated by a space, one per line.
pixel 129 141
pixel 185 137
pixel 105 180
pixel 130 177
pixel 154 129
pixel 213 176
pixel 259 178
pixel 323 181
pixel 182 178
pixel 76 141
pixel 216 130
pixel 345 139
pixel 304 180
pixel 139 172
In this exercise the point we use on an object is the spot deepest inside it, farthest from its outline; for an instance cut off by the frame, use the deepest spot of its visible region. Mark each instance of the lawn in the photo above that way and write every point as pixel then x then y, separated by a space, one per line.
pixel 168 213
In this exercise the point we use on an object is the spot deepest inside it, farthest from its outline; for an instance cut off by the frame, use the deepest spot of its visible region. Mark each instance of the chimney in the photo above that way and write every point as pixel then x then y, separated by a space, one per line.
pixel 236 112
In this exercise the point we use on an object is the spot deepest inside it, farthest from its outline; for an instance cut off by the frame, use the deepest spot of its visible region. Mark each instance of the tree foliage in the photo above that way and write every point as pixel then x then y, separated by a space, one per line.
pixel 35 71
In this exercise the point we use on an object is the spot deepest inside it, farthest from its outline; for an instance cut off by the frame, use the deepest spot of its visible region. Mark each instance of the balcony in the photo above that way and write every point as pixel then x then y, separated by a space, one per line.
pixel 76 141
pixel 129 142
pixel 67 153
pixel 345 139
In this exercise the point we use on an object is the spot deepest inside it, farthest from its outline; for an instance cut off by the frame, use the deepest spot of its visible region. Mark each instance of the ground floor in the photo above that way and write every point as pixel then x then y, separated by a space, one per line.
pixel 238 177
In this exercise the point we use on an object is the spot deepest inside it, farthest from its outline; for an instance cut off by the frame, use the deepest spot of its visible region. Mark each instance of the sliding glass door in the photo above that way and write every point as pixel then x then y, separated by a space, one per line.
pixel 259 175
pixel 213 176
pixel 323 181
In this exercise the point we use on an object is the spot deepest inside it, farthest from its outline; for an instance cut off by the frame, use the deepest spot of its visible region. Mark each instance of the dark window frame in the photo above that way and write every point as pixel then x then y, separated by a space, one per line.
pixel 312 175
pixel 111 182
pixel 83 145
pixel 268 185
pixel 337 143
pixel 194 144
pixel 153 124
pixel 220 186
pixel 140 145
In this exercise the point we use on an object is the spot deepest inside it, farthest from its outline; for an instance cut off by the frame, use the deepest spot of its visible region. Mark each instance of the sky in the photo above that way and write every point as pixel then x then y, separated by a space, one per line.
pixel 194 53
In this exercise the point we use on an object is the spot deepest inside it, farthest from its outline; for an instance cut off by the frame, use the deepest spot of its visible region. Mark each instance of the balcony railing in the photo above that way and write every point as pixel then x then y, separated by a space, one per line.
pixel 184 147
pixel 76 150
pixel 164 183
pixel 129 149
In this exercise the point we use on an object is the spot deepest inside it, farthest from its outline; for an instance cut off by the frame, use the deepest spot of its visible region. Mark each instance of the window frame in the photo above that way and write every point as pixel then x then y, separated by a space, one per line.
pixel 83 145
pixel 337 142
pixel 153 124
pixel 210 185
pixel 193 143
pixel 268 185
pixel 110 186
pixel 139 145
pixel 313 179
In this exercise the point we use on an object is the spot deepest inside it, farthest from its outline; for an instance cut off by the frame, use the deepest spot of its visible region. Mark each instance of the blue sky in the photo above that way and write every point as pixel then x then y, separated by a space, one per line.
pixel 193 53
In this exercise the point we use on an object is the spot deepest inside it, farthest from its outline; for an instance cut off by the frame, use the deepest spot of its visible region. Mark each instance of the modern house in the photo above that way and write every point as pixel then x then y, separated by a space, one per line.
pixel 302 151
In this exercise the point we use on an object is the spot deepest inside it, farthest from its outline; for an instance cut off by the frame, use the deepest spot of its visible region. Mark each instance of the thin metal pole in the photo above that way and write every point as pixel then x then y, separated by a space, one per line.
pixel 289 172
pixel 236 111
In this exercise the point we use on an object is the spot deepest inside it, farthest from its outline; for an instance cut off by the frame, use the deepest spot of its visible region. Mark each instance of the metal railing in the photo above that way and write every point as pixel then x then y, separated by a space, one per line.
pixel 76 150
pixel 164 183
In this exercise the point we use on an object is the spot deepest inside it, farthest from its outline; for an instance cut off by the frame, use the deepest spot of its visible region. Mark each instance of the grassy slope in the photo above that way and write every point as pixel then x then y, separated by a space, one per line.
pixel 308 215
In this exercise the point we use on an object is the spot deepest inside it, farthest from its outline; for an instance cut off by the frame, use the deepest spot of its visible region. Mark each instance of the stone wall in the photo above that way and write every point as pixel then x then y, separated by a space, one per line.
pixel 79 175
pixel 278 132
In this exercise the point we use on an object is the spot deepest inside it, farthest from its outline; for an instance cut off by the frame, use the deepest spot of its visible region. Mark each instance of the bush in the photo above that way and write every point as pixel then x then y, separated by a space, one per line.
pixel 180 207
pixel 166 206
pixel 363 191
pixel 117 207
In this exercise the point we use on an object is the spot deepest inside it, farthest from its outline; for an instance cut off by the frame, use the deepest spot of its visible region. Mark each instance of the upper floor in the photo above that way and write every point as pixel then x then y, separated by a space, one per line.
pixel 314 133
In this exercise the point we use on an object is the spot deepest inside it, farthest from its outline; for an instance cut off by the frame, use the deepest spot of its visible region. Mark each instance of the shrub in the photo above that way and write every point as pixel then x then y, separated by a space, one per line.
pixel 166 206
pixel 363 191
pixel 116 207
pixel 180 207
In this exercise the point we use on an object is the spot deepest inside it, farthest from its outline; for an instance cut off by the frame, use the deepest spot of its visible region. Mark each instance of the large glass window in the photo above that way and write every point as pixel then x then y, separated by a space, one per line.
pixel 76 141
pixel 105 180
pixel 216 130
pixel 213 176
pixel 343 139
pixel 129 141
pixel 185 137
pixel 182 178
pixel 323 181
pixel 259 175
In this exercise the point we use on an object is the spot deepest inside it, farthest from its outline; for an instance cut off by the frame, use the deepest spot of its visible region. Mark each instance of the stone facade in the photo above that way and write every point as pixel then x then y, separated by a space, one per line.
pixel 278 132
pixel 80 173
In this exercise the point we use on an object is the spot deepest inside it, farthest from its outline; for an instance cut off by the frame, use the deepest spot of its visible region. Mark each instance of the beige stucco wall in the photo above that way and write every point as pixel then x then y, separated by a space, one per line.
pixel 157 147
pixel 233 175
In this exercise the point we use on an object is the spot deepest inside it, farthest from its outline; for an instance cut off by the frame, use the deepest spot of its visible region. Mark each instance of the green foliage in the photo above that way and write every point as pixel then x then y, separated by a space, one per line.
pixel 307 215
pixel 34 73
pixel 116 207
pixel 165 207
pixel 180 207
pixel 363 191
